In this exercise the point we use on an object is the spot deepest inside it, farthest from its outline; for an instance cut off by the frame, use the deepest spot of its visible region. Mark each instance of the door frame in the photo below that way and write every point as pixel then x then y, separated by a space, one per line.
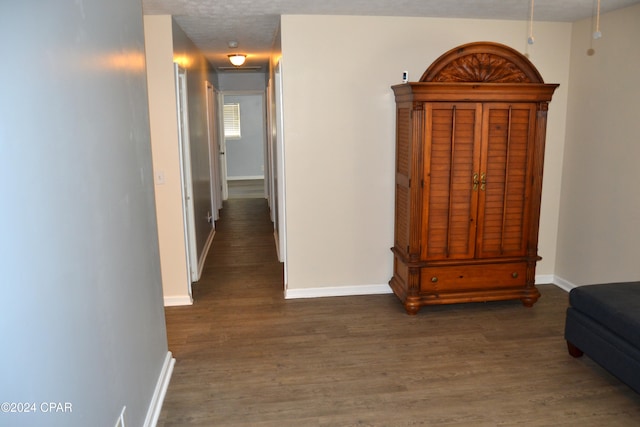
pixel 186 178
pixel 214 151
pixel 222 147
pixel 262 94
pixel 279 171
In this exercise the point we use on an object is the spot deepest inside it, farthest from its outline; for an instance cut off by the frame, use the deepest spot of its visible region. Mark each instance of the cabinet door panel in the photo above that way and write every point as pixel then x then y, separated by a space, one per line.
pixel 451 157
pixel 508 131
pixel 403 173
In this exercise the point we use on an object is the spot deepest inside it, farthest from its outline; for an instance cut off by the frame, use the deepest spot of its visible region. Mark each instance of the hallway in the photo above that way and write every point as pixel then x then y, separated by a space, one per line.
pixel 242 281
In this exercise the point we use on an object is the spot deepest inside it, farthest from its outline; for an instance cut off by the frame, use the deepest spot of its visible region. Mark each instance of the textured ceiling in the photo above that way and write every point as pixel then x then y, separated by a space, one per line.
pixel 211 24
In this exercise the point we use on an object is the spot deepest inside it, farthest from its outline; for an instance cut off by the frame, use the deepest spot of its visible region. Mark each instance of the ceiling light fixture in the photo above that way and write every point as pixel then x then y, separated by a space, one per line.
pixel 237 59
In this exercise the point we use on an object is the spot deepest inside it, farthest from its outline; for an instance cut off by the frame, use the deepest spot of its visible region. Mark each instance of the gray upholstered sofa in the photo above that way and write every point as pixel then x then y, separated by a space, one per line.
pixel 603 321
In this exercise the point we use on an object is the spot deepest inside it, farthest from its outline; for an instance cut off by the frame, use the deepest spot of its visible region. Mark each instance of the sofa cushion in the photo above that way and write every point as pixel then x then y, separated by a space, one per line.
pixel 614 305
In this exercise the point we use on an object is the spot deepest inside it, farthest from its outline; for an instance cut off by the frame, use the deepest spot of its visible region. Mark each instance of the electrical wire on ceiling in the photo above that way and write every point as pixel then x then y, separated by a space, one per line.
pixel 597 34
pixel 531 39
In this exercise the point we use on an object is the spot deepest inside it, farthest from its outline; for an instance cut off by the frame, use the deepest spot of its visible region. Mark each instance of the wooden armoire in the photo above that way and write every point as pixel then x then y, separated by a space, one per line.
pixel 470 139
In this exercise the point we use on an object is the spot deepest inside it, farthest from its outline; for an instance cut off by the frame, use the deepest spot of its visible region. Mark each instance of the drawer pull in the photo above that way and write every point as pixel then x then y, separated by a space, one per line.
pixel 514 274
pixel 434 279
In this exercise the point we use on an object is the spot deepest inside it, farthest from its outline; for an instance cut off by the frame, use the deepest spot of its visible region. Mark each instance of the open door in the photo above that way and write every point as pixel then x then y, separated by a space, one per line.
pixel 214 152
pixel 186 175
pixel 222 147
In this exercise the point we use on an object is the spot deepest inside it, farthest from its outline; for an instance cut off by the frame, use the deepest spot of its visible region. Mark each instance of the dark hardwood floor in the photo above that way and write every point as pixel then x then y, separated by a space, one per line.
pixel 246 189
pixel 247 357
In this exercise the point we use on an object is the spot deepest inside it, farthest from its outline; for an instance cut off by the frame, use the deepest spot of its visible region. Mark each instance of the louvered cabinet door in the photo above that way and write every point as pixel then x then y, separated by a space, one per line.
pixel 505 169
pixel 450 182
pixel 403 179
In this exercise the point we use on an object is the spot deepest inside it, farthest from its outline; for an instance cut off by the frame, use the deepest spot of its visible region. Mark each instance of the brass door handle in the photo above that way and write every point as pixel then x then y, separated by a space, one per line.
pixel 475 182
pixel 483 181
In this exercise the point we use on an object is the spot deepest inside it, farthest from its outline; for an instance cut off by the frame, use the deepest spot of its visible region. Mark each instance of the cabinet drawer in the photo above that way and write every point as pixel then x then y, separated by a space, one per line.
pixel 472 277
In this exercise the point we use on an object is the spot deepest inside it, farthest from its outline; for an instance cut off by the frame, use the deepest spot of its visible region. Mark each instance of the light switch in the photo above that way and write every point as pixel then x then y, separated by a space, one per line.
pixel 159 177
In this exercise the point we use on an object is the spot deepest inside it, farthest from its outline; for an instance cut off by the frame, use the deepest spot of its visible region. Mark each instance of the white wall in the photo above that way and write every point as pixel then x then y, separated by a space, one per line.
pixel 81 313
pixel 600 210
pixel 340 134
pixel 166 158
pixel 166 43
pixel 237 81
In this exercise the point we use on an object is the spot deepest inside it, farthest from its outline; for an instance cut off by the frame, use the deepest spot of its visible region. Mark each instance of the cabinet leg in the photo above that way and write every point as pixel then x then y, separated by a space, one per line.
pixel 412 309
pixel 529 301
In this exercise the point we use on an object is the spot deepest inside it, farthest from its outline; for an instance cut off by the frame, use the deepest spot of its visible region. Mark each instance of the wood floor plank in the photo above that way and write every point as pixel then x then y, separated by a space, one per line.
pixel 245 356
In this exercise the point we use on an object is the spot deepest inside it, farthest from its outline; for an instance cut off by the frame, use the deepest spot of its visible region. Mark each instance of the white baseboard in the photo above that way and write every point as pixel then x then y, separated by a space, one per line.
pixel 153 413
pixel 205 252
pixel 337 291
pixel 243 178
pixel 563 284
pixel 544 279
pixel 178 300
pixel 341 291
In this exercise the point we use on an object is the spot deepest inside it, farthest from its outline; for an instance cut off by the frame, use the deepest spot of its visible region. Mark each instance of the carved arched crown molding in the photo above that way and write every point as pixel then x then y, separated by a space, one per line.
pixel 482 62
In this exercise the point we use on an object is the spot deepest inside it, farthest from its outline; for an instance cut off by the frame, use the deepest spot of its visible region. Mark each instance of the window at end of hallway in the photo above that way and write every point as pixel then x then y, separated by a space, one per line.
pixel 232 121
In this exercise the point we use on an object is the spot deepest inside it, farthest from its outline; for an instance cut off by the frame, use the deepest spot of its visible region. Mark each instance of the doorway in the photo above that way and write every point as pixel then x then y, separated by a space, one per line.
pixel 244 144
pixel 272 167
